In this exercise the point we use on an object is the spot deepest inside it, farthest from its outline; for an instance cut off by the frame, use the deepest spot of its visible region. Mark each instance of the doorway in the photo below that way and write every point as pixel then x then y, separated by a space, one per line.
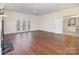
pixel 71 25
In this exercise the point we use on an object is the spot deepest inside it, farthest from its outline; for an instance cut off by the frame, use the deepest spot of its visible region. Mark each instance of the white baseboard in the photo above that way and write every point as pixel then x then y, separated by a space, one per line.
pixel 77 35
pixel 48 31
pixel 19 32
pixel 52 32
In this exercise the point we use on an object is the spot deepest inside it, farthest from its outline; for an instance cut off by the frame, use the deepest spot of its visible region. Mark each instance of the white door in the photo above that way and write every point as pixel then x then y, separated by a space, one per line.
pixel 23 25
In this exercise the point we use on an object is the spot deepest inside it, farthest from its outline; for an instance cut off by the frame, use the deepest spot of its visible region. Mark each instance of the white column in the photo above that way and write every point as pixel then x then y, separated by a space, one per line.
pixel 0 32
pixel 1 6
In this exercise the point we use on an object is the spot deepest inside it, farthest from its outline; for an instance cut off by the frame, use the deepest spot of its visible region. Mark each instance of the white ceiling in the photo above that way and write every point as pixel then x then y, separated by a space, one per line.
pixel 39 8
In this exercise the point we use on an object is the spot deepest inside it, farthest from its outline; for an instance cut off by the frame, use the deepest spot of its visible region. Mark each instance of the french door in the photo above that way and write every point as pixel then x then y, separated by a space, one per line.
pixel 23 25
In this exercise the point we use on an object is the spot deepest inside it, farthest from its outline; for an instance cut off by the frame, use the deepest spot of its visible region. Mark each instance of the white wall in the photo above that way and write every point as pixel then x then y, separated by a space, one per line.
pixel 53 22
pixel 11 21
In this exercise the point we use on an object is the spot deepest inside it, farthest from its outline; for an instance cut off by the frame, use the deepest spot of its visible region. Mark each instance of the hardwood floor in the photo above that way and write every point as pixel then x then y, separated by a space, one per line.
pixel 43 43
